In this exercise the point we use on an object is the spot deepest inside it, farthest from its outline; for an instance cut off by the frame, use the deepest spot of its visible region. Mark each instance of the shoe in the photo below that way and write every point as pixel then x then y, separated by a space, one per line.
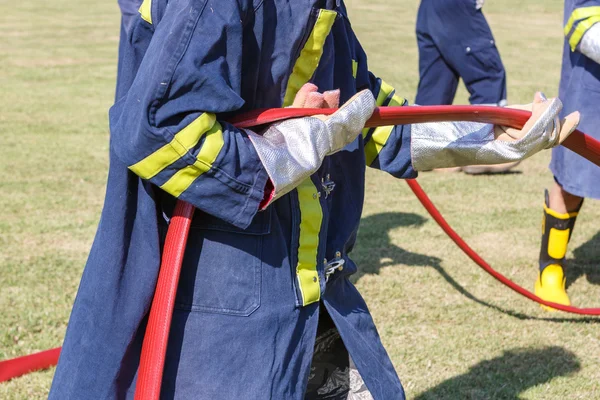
pixel 550 286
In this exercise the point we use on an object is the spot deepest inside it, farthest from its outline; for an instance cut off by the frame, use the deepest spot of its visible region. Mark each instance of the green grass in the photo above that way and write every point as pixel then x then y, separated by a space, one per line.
pixel 451 330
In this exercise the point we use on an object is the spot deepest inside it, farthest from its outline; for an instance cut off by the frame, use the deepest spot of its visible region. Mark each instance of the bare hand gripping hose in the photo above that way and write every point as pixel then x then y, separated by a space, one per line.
pixel 157 332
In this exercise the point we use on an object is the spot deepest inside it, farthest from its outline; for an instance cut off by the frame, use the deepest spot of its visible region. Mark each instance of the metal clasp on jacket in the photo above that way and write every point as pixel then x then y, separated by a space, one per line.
pixel 328 185
pixel 337 264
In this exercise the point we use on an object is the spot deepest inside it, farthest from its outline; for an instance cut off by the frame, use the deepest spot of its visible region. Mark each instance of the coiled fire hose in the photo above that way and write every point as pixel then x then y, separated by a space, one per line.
pixel 157 332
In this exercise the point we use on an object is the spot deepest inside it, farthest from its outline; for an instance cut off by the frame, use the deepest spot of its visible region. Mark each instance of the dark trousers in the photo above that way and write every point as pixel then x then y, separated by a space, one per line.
pixel 455 41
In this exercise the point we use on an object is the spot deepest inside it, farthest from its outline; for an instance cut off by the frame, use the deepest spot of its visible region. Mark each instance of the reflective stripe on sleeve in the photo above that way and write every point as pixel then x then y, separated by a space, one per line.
pixel 581 29
pixel 582 18
pixel 380 135
pixel 579 14
pixel 181 143
pixel 385 91
pixel 207 155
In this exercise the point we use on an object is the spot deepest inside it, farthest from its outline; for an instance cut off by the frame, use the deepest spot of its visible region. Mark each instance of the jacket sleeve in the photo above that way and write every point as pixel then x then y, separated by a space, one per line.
pixel 581 31
pixel 166 128
pixel 386 147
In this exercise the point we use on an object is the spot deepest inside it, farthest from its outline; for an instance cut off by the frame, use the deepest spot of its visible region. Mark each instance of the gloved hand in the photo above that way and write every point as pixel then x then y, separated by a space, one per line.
pixel 479 4
pixel 294 149
pixel 457 144
pixel 540 106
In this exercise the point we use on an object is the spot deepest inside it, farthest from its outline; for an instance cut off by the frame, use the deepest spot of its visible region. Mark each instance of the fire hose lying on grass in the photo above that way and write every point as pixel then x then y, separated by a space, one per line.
pixel 157 333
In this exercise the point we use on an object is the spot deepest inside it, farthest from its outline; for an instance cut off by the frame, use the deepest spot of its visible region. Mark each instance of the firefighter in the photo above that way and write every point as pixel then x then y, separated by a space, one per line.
pixel 455 41
pixel 575 178
pixel 265 308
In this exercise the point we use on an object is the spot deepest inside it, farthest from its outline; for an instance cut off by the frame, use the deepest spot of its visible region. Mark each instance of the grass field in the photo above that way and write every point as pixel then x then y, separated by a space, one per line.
pixel 452 331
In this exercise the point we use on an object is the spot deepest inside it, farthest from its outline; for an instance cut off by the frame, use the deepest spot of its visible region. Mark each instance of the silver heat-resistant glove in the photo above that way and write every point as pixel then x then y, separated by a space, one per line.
pixel 294 149
pixel 590 43
pixel 457 144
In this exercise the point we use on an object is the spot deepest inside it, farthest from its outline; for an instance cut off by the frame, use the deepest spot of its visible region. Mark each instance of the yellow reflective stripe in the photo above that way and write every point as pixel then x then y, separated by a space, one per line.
pixel 557 243
pixel 207 155
pixel 354 68
pixel 145 11
pixel 309 58
pixel 311 215
pixel 182 142
pixel 581 29
pixel 365 132
pixel 581 13
pixel 380 136
pixel 378 140
pixel 385 90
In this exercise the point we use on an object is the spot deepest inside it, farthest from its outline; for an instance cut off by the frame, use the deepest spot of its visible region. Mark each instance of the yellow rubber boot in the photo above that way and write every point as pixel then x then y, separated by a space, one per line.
pixel 550 286
pixel 556 233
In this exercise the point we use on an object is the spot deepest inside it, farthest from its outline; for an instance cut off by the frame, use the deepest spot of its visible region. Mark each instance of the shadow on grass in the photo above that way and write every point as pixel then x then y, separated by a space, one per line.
pixel 507 376
pixel 586 261
pixel 377 251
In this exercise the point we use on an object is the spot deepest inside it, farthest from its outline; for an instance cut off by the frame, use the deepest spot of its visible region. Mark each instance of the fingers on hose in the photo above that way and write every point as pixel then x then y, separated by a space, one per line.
pixel 506 134
pixel 315 100
pixel 301 96
pixel 332 98
pixel 568 125
pixel 539 106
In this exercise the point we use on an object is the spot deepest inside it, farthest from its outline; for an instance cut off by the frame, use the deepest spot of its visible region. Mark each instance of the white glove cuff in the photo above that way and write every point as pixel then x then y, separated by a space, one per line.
pixel 457 144
pixel 292 150
pixel 590 43
pixel 290 153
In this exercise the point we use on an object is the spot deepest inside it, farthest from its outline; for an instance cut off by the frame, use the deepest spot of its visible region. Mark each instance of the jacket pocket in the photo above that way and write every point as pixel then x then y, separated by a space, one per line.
pixel 485 54
pixel 222 267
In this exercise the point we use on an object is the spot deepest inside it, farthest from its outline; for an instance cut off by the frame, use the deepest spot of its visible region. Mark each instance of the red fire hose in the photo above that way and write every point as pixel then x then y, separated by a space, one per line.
pixel 157 332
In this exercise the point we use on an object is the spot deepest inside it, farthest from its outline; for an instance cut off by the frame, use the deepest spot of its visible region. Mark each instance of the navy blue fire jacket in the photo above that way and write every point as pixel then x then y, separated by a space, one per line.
pixel 579 91
pixel 248 302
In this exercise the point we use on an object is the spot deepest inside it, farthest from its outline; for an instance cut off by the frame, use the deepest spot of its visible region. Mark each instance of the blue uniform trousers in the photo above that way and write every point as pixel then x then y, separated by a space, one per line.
pixel 455 41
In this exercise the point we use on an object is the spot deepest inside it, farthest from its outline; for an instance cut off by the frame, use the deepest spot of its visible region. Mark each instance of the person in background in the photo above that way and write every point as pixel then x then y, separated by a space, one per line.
pixel 455 41
pixel 575 178
pixel 265 308
pixel 125 68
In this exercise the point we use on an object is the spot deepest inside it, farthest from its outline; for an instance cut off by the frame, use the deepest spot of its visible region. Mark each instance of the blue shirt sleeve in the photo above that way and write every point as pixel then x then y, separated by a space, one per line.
pixel 166 129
